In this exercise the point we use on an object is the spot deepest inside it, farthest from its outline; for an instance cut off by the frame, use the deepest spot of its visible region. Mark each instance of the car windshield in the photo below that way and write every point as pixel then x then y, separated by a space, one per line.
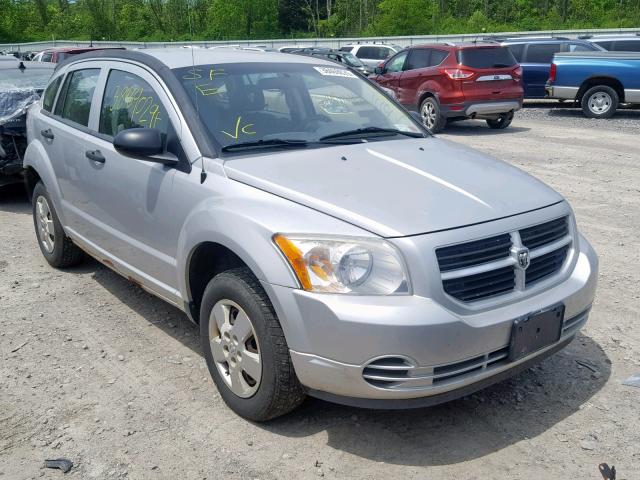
pixel 352 60
pixel 291 104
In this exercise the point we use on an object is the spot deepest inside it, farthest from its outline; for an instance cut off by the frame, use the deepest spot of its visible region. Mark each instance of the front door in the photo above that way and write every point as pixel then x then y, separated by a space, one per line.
pixel 392 71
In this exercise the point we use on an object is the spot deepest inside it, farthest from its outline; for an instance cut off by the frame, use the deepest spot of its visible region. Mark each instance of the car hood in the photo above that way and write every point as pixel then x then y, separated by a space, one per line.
pixel 396 187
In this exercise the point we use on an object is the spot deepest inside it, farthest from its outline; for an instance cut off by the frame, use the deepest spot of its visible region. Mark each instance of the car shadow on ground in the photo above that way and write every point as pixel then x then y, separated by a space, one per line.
pixel 479 127
pixel 509 412
pixel 13 199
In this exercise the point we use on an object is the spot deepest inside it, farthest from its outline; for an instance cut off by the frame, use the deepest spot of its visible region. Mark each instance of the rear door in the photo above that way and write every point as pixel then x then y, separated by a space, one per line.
pixel 536 66
pixel 493 74
pixel 131 214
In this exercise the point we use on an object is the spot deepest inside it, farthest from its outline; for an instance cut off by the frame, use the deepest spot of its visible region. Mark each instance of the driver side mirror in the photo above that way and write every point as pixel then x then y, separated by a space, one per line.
pixel 380 70
pixel 145 143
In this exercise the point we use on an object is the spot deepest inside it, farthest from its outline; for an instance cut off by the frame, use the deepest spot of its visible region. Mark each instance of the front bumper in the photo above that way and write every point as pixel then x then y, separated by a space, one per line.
pixel 334 338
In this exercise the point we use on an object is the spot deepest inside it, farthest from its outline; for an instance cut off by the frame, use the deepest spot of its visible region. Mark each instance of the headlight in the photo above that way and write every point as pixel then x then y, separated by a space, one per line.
pixel 360 266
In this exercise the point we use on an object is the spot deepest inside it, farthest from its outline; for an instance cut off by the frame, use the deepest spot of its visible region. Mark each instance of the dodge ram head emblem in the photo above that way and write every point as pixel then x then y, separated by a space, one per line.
pixel 523 258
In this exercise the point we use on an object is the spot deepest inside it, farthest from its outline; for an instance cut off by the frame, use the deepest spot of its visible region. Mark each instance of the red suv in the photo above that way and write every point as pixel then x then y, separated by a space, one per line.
pixel 447 82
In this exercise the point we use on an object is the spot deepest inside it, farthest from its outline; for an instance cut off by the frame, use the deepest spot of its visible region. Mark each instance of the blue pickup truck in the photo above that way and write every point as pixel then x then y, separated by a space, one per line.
pixel 598 81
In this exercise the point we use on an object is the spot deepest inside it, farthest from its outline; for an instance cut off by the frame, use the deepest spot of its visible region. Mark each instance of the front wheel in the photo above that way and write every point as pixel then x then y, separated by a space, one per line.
pixel 245 348
pixel 431 115
pixel 600 102
pixel 503 121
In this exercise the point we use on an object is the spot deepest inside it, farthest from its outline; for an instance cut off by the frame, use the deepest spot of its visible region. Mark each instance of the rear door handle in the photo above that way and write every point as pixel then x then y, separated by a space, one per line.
pixel 47 133
pixel 95 155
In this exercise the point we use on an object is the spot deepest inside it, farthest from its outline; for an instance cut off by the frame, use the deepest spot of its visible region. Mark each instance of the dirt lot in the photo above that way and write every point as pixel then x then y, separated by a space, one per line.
pixel 98 371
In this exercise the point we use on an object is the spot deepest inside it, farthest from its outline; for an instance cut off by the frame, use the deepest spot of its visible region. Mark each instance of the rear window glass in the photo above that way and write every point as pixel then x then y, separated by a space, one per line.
pixel 606 44
pixel 490 57
pixel 50 94
pixel 628 45
pixel 517 51
pixel 542 52
pixel 418 58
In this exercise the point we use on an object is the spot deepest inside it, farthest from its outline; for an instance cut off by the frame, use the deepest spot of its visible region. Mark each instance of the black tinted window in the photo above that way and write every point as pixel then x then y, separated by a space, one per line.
pixel 50 94
pixel 418 58
pixel 542 52
pixel 46 57
pixel 517 51
pixel 489 57
pixel 437 57
pixel 373 53
pixel 75 100
pixel 578 47
pixel 627 46
pixel 606 44
pixel 346 49
pixel 130 102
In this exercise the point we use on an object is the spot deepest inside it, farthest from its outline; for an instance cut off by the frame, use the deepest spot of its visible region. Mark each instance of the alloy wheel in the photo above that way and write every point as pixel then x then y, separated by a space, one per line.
pixel 428 115
pixel 45 224
pixel 235 348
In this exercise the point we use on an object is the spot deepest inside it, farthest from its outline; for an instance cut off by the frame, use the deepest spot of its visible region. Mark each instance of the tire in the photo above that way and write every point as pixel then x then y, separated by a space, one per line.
pixel 57 248
pixel 431 115
pixel 503 122
pixel 277 391
pixel 600 101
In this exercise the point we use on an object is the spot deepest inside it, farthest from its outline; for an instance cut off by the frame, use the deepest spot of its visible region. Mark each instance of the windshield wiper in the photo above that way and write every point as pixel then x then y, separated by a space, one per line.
pixel 271 143
pixel 371 132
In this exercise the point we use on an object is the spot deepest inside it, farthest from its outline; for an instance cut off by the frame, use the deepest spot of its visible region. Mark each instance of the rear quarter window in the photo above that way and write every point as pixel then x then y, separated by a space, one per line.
pixel 627 46
pixel 50 94
pixel 489 57
pixel 605 44
pixel 542 52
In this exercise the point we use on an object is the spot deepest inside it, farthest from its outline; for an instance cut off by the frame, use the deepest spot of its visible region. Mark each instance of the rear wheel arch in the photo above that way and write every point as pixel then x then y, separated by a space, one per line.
pixel 601 80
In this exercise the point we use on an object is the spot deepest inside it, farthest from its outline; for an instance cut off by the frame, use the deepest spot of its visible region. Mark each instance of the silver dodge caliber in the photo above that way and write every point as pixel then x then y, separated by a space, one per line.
pixel 324 243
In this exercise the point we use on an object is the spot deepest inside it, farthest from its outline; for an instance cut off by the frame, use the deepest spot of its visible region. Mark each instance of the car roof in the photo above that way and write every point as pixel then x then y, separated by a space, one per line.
pixel 458 45
pixel 178 58
pixel 613 37
pixel 539 40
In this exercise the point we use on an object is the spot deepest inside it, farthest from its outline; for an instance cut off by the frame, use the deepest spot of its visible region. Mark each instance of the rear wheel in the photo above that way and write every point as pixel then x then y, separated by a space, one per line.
pixel 600 101
pixel 245 348
pixel 57 248
pixel 431 115
pixel 501 122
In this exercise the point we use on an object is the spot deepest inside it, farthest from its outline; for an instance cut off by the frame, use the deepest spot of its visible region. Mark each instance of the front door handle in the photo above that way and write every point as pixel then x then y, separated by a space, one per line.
pixel 47 133
pixel 95 155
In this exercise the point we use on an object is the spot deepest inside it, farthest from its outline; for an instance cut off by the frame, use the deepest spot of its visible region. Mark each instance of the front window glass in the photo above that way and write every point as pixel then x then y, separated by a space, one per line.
pixel 396 63
pixel 130 102
pixel 252 102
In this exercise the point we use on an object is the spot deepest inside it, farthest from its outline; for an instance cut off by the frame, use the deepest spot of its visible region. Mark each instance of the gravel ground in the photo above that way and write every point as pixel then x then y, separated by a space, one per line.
pixel 96 370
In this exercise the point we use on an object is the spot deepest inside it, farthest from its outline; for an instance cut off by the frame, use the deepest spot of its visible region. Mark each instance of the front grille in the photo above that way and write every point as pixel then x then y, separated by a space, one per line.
pixel 481 285
pixel 545 233
pixel 473 253
pixel 546 265
pixel 485 268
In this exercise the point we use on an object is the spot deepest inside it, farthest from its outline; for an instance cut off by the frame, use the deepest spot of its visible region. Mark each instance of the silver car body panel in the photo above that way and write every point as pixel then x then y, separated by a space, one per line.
pixel 145 220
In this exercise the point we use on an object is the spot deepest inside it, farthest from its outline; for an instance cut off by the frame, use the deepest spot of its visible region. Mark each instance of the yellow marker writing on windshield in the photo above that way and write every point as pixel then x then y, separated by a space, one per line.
pixel 244 129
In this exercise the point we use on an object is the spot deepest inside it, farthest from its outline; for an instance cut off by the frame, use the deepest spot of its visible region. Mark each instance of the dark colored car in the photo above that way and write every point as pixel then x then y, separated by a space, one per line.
pixel 616 43
pixel 452 81
pixel 21 84
pixel 57 55
pixel 346 58
pixel 534 56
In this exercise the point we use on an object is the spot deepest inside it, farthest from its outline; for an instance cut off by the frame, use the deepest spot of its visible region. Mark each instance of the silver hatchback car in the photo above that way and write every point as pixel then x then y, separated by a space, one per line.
pixel 325 244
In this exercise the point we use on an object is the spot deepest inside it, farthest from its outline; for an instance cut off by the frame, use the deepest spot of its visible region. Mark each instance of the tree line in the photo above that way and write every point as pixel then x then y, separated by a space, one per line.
pixel 180 20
